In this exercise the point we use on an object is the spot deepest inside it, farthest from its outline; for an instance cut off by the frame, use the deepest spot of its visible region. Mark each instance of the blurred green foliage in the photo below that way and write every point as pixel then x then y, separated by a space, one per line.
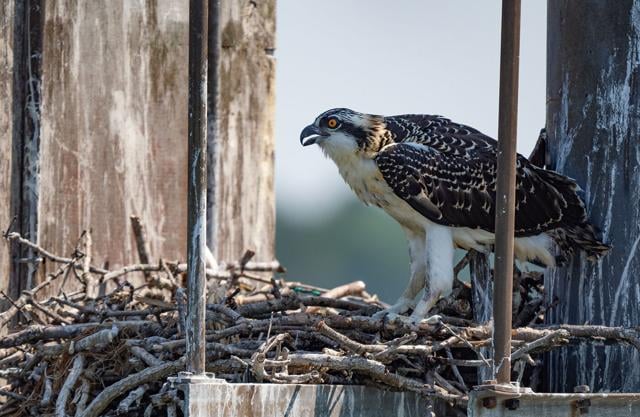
pixel 355 243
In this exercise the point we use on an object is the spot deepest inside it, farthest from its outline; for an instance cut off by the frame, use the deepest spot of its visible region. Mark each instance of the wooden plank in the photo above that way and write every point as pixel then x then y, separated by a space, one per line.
pixel 6 134
pixel 113 130
pixel 114 127
pixel 243 202
pixel 593 116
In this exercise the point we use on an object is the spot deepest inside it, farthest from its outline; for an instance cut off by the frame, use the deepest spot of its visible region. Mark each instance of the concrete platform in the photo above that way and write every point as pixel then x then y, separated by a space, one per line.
pixel 215 399
pixel 492 404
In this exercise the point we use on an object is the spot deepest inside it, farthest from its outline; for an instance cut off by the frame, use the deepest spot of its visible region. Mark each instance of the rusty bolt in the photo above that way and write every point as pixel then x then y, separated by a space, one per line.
pixel 583 406
pixel 512 403
pixel 489 402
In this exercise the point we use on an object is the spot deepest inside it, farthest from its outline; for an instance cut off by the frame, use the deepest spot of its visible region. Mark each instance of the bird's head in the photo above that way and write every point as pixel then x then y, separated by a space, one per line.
pixel 343 131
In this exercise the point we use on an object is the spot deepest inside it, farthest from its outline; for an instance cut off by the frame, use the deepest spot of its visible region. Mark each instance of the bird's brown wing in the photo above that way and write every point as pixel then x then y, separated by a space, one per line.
pixel 461 190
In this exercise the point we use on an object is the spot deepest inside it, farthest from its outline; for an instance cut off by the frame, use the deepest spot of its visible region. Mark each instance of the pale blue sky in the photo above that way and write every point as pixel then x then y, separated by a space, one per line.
pixel 384 57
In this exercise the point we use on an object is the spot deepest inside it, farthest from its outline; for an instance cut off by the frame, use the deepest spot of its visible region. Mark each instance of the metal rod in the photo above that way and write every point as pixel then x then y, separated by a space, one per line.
pixel 505 194
pixel 197 186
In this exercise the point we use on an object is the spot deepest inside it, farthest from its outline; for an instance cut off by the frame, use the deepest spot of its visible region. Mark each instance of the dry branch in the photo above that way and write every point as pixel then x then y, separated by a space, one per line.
pixel 65 391
pixel 102 401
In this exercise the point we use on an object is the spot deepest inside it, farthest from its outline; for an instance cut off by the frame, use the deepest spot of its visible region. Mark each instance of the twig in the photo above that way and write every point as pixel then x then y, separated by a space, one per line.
pixel 134 396
pixel 373 369
pixel 353 288
pixel 145 356
pixel 81 405
pixel 141 241
pixel 47 390
pixel 454 368
pixel 181 303
pixel 55 316
pixel 46 254
pixel 110 393
pixel 65 391
pixel 5 233
pixel 233 316
pixel 446 384
pixel 38 332
pixel 346 342
pixel 103 337
pixel 554 338
pixel 463 263
pixel 91 284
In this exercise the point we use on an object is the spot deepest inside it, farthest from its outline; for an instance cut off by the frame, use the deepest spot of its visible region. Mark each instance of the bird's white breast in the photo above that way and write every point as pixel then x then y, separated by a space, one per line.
pixel 365 179
pixel 361 173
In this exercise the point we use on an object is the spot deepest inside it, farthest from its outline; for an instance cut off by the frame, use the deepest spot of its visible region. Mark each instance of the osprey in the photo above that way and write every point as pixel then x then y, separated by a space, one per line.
pixel 437 179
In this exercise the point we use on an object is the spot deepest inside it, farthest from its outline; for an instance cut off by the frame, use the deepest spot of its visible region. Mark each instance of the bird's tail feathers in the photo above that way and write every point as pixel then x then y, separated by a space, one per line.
pixel 579 237
pixel 576 233
pixel 583 236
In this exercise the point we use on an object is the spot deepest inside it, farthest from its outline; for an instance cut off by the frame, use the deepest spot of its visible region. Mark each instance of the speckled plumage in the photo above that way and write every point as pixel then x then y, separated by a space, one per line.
pixel 429 172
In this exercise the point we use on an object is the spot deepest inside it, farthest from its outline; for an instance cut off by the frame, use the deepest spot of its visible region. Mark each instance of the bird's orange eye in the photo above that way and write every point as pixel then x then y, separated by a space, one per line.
pixel 332 123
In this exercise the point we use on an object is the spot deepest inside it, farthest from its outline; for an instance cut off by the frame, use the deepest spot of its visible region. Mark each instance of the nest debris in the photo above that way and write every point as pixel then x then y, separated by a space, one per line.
pixel 108 347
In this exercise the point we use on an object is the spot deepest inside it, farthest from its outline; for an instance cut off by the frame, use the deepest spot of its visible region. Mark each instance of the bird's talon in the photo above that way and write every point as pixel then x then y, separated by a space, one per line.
pixel 394 311
pixel 435 319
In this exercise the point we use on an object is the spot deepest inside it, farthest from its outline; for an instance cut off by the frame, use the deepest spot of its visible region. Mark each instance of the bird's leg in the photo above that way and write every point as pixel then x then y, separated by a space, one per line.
pixel 439 262
pixel 407 300
pixel 417 281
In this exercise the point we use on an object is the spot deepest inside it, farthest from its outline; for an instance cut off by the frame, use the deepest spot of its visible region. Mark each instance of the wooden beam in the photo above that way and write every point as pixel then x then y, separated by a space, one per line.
pixel 113 123
pixel 114 126
pixel 242 206
pixel 593 114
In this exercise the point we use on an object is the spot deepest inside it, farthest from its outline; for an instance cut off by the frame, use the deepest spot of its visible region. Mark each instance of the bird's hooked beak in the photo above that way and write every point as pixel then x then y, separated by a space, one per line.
pixel 310 135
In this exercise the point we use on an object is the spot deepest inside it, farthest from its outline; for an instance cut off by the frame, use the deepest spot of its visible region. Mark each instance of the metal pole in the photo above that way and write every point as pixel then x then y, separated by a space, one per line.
pixel 197 187
pixel 505 195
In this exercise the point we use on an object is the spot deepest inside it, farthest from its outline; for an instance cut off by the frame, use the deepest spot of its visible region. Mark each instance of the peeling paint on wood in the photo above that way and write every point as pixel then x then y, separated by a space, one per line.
pixel 593 121
pixel 114 126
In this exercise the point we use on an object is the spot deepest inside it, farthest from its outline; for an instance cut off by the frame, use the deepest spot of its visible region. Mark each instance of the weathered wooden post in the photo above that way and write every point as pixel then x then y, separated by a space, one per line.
pixel 241 204
pixel 110 129
pixel 593 122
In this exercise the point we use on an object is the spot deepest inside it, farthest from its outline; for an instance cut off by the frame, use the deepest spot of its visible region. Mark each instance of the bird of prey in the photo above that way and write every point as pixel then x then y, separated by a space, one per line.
pixel 437 179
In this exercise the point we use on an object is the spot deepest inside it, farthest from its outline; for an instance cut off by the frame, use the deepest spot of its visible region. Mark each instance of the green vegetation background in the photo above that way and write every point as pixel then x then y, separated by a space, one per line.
pixel 354 243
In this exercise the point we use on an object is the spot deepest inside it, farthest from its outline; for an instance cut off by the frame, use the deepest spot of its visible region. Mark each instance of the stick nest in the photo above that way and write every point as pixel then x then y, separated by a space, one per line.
pixel 108 347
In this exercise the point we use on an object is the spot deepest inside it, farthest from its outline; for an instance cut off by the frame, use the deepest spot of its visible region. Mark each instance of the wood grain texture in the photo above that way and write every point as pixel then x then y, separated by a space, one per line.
pixel 113 129
pixel 243 205
pixel 114 126
pixel 593 116
pixel 6 132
